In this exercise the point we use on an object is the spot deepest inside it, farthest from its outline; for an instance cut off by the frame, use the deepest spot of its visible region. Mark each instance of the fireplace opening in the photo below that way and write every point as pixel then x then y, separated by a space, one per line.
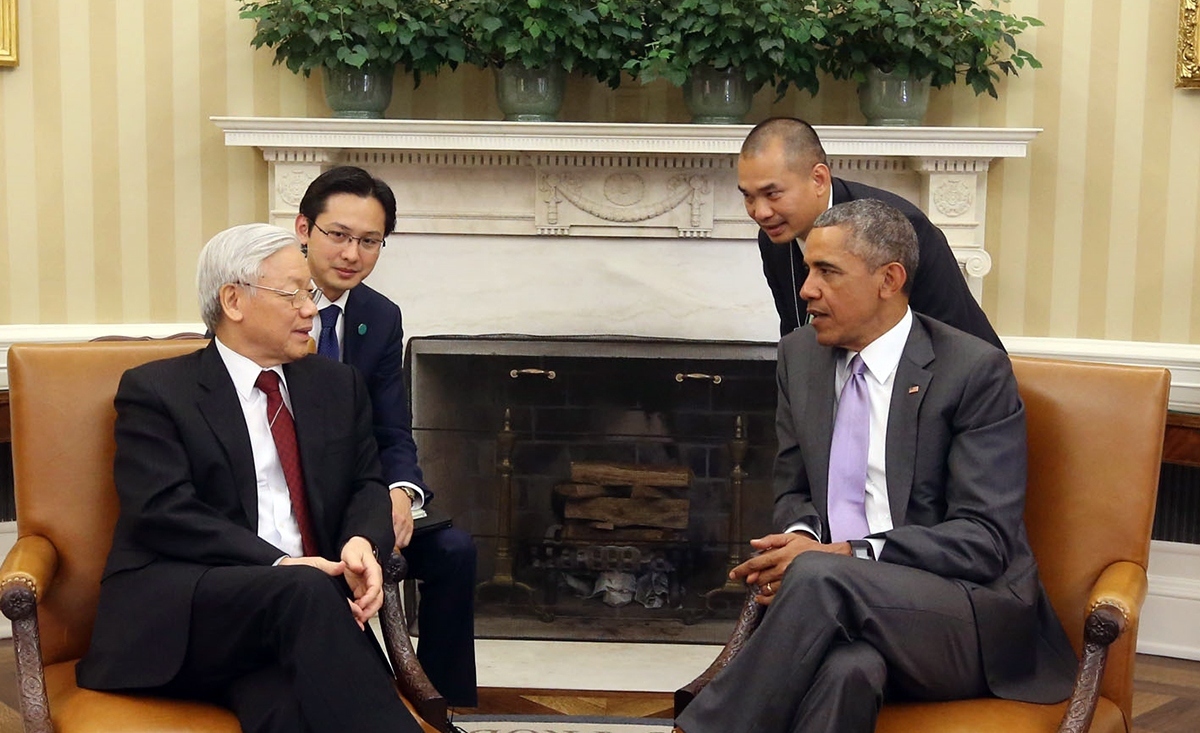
pixel 610 484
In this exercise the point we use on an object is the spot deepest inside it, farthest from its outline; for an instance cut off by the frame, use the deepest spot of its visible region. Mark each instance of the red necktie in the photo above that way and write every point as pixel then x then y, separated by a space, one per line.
pixel 283 430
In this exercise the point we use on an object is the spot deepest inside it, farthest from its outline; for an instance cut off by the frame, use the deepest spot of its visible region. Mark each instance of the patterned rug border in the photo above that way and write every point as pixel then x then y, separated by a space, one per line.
pixel 587 719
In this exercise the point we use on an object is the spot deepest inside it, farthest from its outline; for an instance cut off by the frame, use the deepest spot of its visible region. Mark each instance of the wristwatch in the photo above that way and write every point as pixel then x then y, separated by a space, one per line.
pixel 862 549
pixel 412 495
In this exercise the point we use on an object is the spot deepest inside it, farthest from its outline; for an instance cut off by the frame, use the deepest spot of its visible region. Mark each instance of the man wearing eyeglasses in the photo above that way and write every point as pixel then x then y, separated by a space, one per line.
pixel 344 218
pixel 243 566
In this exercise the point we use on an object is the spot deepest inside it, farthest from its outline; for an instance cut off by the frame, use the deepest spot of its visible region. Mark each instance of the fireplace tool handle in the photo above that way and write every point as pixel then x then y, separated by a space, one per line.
pixel 502 575
pixel 737 452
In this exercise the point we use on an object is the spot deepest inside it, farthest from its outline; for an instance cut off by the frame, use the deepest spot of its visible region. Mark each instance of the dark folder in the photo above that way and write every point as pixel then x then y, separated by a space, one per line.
pixel 432 519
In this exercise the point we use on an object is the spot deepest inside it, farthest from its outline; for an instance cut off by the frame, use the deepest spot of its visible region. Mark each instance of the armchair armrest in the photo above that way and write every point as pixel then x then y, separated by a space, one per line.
pixel 413 683
pixel 1114 604
pixel 1122 586
pixel 25 576
pixel 747 622
pixel 27 571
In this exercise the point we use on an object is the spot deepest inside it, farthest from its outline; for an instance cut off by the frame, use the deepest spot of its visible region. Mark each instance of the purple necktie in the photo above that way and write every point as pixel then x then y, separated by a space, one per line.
pixel 848 458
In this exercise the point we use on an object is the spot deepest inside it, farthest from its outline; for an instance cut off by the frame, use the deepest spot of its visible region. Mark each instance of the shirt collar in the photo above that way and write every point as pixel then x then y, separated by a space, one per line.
pixel 322 301
pixel 242 370
pixel 882 355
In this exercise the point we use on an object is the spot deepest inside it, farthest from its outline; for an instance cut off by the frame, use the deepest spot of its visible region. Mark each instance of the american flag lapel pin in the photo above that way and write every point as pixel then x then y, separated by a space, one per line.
pixel 914 389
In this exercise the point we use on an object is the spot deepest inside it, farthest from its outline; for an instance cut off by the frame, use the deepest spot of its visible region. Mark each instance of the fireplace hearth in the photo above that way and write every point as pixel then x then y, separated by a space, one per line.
pixel 609 483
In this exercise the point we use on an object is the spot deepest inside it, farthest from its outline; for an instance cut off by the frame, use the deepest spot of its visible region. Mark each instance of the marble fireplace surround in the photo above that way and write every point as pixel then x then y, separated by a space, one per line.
pixel 591 228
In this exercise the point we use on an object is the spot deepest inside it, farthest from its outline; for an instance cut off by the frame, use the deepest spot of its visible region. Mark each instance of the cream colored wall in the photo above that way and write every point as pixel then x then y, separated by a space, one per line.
pixel 1094 235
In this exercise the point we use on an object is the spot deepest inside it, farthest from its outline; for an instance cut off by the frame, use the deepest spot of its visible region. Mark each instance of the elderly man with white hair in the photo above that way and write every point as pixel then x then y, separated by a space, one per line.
pixel 243 567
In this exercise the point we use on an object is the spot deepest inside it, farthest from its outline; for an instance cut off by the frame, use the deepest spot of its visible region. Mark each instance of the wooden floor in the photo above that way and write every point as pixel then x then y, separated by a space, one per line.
pixel 1166 697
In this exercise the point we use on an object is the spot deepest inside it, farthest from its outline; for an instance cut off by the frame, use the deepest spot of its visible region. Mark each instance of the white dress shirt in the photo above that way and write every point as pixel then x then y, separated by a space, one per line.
pixel 340 329
pixel 881 358
pixel 276 523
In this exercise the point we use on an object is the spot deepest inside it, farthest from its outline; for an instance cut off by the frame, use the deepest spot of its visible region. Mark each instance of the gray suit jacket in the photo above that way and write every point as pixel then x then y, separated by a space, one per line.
pixel 956 464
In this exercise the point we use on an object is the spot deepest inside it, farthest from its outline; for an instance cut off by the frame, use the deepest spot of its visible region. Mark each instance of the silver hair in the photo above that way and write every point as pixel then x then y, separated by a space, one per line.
pixel 877 234
pixel 235 256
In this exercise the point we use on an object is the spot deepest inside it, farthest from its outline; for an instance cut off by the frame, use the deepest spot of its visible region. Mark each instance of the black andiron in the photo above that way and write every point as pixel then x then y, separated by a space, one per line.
pixel 502 575
pixel 732 592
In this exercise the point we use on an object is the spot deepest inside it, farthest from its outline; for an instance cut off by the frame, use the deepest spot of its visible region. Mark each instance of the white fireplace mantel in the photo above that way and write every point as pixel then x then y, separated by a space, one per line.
pixel 669 181
pixel 634 229
pixel 290 133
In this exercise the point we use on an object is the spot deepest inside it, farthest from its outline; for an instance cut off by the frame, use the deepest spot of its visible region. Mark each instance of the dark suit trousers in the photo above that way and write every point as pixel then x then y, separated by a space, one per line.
pixel 839 632
pixel 279 646
pixel 444 562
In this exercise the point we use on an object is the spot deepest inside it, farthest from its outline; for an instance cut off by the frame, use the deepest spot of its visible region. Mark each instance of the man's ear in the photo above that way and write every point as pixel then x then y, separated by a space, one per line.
pixel 894 277
pixel 303 232
pixel 821 177
pixel 232 298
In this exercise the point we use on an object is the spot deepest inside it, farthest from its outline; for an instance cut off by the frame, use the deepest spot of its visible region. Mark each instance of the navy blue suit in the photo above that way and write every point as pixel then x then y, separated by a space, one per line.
pixel 443 560
pixel 938 288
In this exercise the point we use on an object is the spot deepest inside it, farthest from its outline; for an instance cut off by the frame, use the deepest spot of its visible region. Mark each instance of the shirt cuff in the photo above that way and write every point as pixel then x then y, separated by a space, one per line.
pixel 805 527
pixel 877 544
pixel 418 499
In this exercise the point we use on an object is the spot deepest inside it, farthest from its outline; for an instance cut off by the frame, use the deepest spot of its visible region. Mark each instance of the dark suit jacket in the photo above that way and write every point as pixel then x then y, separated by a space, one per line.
pixel 374 343
pixel 956 464
pixel 938 289
pixel 184 473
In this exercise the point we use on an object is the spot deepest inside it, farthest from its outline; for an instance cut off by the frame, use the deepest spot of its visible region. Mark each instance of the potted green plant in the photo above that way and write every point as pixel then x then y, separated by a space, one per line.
pixel 726 50
pixel 358 44
pixel 532 44
pixel 907 46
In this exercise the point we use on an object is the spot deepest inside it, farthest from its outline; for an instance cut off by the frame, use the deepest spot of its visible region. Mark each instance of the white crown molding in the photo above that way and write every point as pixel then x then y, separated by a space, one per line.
pixel 273 133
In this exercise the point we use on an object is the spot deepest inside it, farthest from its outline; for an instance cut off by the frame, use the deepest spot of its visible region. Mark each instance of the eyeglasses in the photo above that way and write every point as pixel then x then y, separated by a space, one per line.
pixel 340 238
pixel 298 297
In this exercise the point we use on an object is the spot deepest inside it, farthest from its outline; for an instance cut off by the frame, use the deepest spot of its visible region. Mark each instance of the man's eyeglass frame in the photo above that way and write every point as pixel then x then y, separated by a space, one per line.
pixel 299 296
pixel 340 238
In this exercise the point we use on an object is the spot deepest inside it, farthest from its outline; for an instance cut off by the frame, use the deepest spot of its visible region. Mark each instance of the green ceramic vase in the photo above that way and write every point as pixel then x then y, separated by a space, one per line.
pixel 887 98
pixel 530 95
pixel 358 93
pixel 717 96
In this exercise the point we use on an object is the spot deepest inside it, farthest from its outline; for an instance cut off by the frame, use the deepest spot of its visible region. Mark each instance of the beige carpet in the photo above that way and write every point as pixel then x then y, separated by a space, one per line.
pixel 10 720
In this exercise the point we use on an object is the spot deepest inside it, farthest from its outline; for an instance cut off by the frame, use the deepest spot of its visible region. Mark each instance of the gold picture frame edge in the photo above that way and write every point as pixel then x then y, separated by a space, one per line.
pixel 1187 64
pixel 8 32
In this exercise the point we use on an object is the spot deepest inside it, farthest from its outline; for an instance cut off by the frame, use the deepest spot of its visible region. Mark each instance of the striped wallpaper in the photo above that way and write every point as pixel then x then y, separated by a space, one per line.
pixel 1093 236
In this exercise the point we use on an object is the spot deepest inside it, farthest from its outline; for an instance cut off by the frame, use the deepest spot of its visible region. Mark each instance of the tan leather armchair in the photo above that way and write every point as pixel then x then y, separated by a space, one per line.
pixel 1095 447
pixel 62 433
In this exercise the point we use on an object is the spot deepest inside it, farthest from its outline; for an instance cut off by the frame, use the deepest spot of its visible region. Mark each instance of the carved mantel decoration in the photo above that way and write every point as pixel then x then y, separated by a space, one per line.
pixel 651 181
